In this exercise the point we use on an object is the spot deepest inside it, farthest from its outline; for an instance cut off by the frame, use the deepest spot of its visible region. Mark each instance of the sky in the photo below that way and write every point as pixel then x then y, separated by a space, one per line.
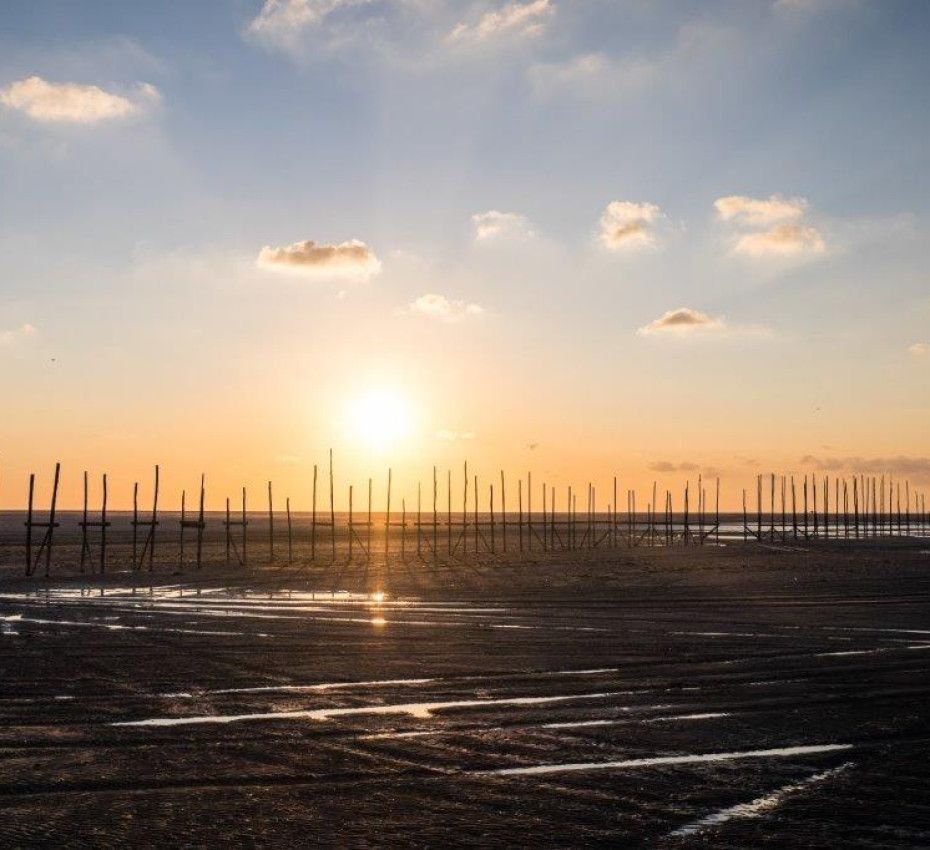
pixel 586 238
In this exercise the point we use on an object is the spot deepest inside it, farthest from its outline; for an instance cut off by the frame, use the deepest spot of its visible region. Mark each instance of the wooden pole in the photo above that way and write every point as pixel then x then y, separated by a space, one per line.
pixel 503 513
pixel 32 487
pixel 403 531
pixel 465 512
pixel 244 531
pixel 351 524
pixel 435 515
pixel 200 524
pixel 51 520
pixel 368 528
pixel 228 530
pixel 493 542
pixel 290 547
pixel 183 521
pixel 154 522
pixel 270 527
pixel 419 517
pixel 529 510
pixel 84 526
pixel 135 523
pixel 387 521
pixel 745 519
pixel 332 509
pixel 103 529
pixel 805 508
pixel 313 520
pixel 475 518
pixel 520 511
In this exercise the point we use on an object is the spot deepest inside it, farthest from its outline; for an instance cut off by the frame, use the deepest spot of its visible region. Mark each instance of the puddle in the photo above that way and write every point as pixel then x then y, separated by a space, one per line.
pixel 707 715
pixel 659 761
pixel 758 807
pixel 420 710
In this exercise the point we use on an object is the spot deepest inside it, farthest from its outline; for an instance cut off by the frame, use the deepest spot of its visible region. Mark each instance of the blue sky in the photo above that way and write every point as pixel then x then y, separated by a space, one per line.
pixel 136 319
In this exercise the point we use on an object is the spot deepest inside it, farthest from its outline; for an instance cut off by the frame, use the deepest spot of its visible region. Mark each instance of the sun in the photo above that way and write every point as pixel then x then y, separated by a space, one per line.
pixel 380 418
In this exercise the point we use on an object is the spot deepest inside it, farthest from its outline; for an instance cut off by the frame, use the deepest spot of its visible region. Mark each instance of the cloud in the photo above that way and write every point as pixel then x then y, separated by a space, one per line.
pixel 351 260
pixel 15 335
pixel 776 228
pixel 698 51
pixel 280 23
pixel 493 225
pixel 919 349
pixel 919 467
pixel 683 321
pixel 627 225
pixel 668 466
pixel 759 211
pixel 519 19
pixel 783 240
pixel 75 103
pixel 447 436
pixel 443 309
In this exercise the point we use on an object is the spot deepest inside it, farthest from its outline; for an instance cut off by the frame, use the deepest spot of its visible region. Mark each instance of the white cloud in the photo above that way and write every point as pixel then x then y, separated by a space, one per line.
pixel 683 321
pixel 351 260
pixel 627 225
pixel 783 240
pixel 15 335
pixel 520 19
pixel 919 349
pixel 75 103
pixel 493 225
pixel 759 211
pixel 447 436
pixel 443 309
pixel 775 224
pixel 280 23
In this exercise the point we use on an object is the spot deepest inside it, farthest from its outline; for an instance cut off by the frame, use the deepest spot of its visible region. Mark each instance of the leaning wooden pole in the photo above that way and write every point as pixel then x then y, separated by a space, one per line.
pixel 32 487
pixel 51 520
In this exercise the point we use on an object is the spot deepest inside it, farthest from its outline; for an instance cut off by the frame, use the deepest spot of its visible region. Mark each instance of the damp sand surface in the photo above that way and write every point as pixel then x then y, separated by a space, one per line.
pixel 728 697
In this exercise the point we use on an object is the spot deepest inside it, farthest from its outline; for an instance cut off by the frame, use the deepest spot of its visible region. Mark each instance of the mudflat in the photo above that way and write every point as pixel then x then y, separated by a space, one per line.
pixel 733 696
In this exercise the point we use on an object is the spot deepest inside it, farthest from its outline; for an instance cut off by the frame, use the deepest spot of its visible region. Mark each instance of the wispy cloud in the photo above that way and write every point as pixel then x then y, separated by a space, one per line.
pixel 759 211
pixel 683 321
pixel 698 51
pixel 75 103
pixel 919 349
pixel 513 19
pixel 15 335
pixel 900 465
pixel 435 306
pixel 668 466
pixel 627 225
pixel 351 260
pixel 281 23
pixel 493 225
pixel 783 240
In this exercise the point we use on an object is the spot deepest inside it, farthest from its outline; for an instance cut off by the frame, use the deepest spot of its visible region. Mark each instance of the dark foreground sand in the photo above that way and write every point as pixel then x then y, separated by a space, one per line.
pixel 733 697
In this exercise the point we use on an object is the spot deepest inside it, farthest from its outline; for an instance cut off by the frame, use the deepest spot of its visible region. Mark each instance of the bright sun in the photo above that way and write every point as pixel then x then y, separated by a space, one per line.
pixel 379 418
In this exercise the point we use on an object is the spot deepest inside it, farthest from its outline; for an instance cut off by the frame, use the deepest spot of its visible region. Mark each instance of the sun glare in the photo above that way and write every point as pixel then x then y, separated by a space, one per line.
pixel 379 419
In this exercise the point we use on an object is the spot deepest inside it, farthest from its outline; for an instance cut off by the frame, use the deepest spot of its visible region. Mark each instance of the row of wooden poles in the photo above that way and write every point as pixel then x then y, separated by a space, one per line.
pixel 861 507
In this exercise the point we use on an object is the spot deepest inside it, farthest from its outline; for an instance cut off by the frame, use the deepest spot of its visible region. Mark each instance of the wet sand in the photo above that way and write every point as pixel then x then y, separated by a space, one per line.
pixel 741 696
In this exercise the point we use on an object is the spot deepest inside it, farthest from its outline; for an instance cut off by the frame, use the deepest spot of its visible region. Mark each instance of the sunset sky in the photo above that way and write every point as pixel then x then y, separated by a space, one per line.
pixel 582 237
